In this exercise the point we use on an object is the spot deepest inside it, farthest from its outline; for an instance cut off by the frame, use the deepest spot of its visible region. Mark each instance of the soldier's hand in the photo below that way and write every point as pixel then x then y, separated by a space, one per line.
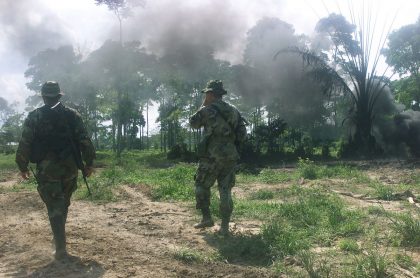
pixel 88 171
pixel 25 175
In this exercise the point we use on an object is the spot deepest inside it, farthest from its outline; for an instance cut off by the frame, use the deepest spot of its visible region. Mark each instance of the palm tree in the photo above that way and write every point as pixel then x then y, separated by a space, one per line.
pixel 349 68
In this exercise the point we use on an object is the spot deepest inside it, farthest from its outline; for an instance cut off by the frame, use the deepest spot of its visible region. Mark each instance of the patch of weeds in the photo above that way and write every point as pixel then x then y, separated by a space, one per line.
pixel 353 224
pixel 315 269
pixel 267 176
pixel 101 185
pixel 239 248
pixel 407 228
pixel 376 210
pixel 404 261
pixel 371 263
pixel 26 185
pixel 279 266
pixel 262 195
pixel 175 183
pixel 7 162
pixel 341 171
pixel 307 169
pixel 413 179
pixel 383 192
pixel 285 239
pixel 315 217
pixel 254 209
pixel 189 256
pixel 349 245
pixel 271 176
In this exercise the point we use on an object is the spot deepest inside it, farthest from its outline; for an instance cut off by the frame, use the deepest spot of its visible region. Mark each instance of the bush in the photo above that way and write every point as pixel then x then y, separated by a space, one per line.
pixel 307 169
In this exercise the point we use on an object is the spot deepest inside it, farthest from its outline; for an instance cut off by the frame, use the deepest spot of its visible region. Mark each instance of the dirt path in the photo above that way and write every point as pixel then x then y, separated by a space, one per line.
pixel 131 238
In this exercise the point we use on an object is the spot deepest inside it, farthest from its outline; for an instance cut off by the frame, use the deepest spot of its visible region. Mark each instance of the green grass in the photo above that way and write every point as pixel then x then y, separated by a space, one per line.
pixel 267 176
pixel 7 162
pixel 29 185
pixel 371 263
pixel 314 268
pixel 404 261
pixel 310 170
pixel 314 218
pixel 242 249
pixel 406 228
pixel 262 194
pixel 349 245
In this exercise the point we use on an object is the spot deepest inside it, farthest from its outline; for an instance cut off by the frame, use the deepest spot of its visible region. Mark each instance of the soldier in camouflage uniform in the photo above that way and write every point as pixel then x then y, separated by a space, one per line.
pixel 46 136
pixel 224 129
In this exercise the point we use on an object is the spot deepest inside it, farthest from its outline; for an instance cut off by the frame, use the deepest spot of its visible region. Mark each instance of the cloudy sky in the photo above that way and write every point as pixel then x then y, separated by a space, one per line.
pixel 28 26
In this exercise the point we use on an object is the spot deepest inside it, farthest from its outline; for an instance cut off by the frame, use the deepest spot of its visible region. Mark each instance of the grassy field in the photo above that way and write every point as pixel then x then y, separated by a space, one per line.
pixel 336 220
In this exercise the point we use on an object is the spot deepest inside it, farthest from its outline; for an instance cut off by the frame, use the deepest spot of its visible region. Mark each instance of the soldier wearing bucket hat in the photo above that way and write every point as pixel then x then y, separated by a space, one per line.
pixel 51 89
pixel 224 130
pixel 216 87
pixel 46 136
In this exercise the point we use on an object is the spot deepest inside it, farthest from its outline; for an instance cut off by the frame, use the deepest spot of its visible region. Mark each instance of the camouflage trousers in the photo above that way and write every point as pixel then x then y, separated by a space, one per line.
pixel 207 173
pixel 56 196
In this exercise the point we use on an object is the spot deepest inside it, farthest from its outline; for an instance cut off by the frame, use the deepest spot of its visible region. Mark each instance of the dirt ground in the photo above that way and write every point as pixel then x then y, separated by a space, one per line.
pixel 134 237
pixel 131 238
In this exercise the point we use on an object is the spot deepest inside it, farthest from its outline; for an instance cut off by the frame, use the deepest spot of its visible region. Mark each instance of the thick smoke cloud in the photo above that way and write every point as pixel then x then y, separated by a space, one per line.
pixel 279 81
pixel 187 31
pixel 394 128
pixel 29 27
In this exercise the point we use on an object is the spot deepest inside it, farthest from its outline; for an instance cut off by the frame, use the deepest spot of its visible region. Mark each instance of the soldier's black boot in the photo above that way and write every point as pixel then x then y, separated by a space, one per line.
pixel 58 228
pixel 206 221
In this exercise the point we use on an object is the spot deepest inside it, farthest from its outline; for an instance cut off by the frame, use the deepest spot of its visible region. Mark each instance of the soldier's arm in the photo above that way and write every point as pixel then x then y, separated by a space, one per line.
pixel 24 148
pixel 197 120
pixel 83 140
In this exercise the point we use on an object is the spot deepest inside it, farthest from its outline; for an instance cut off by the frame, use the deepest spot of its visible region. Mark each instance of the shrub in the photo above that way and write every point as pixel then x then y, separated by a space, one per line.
pixel 307 169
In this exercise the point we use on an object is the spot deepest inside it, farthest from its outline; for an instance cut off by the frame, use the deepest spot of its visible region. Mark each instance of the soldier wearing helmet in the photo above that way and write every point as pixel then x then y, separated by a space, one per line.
pixel 224 130
pixel 46 141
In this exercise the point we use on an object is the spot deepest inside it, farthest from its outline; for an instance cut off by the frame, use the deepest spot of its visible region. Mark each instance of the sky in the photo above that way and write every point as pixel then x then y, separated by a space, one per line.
pixel 29 26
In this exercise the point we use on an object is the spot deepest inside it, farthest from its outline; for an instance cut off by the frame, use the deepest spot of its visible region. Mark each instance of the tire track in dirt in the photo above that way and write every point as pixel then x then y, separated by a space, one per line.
pixel 131 238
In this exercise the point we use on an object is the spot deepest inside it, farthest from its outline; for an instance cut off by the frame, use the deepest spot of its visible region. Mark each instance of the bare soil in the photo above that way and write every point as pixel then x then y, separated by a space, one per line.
pixel 135 237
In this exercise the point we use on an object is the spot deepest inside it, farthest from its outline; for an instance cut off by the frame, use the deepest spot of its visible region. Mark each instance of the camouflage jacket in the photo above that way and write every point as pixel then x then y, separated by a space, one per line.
pixel 50 129
pixel 220 131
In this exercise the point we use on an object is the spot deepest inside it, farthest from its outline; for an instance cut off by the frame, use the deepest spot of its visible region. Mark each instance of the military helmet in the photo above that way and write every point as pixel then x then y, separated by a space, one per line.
pixel 215 86
pixel 51 89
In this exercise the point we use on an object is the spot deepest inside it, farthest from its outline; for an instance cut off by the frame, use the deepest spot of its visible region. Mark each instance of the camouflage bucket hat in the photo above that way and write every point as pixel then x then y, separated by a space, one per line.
pixel 215 86
pixel 51 89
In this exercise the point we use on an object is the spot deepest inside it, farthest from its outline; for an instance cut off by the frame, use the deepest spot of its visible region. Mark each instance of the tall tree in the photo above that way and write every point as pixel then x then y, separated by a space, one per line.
pixel 5 110
pixel 403 54
pixel 352 73
pixel 121 9
pixel 59 64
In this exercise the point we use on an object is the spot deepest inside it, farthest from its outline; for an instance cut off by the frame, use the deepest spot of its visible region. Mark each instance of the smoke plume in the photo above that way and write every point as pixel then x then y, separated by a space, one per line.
pixel 29 28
